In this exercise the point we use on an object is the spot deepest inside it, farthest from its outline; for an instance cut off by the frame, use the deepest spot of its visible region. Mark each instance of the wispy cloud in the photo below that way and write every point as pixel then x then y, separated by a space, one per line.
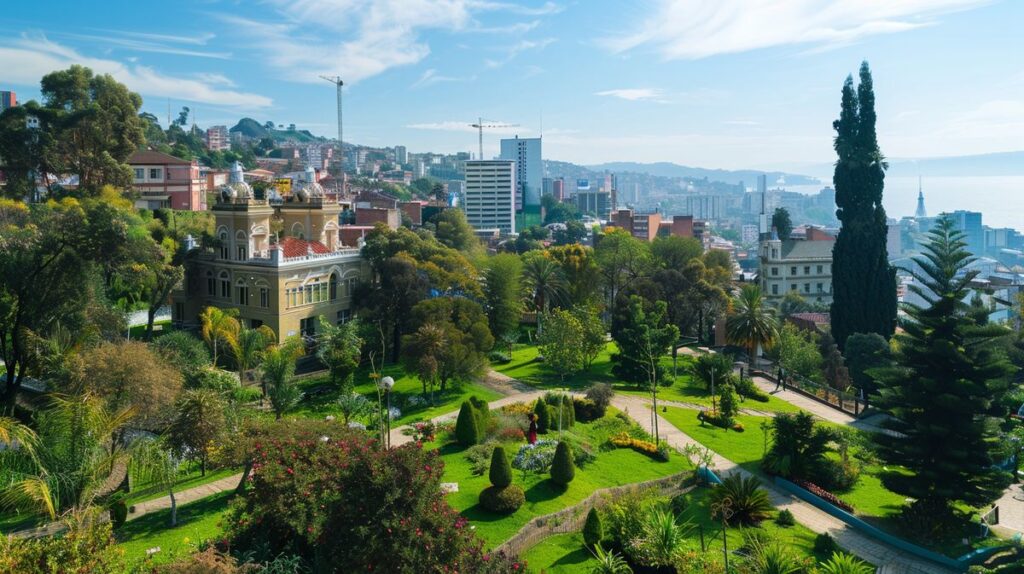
pixel 27 59
pixel 431 77
pixel 358 39
pixel 636 94
pixel 514 50
pixel 154 43
pixel 693 29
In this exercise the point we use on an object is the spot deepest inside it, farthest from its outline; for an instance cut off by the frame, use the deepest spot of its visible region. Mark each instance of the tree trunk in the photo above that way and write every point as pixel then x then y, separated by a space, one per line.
pixel 245 476
pixel 150 317
pixel 202 466
pixel 174 508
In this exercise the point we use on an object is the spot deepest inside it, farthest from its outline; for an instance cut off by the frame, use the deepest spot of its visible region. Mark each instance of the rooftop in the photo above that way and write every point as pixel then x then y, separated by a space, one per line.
pixel 295 247
pixel 148 156
pixel 803 249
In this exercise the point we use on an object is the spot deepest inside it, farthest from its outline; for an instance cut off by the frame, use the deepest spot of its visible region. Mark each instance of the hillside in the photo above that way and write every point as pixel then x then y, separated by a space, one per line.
pixel 254 129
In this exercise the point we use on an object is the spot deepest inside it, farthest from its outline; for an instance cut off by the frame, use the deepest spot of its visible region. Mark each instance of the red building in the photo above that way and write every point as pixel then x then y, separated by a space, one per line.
pixel 166 181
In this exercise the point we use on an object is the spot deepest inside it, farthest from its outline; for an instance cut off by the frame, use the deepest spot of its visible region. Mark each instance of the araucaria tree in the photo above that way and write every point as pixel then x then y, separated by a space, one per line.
pixel 944 390
pixel 864 284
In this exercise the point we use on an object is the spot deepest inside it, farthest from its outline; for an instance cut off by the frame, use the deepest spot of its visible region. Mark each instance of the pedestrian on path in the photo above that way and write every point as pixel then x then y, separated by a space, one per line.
pixel 778 379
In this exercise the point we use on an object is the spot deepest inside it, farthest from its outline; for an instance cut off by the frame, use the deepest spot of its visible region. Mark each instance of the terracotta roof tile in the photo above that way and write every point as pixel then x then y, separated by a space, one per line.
pixel 294 247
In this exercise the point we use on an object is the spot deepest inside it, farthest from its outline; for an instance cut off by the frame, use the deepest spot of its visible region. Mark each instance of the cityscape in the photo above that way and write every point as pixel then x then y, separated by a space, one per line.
pixel 750 303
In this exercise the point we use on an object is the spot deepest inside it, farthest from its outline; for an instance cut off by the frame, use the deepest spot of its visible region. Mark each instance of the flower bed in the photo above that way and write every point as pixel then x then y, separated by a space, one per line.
pixel 714 419
pixel 823 494
pixel 535 457
pixel 642 446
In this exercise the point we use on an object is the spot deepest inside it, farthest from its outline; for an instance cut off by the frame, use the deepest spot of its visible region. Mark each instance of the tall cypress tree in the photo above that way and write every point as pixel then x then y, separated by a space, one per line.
pixel 944 392
pixel 863 282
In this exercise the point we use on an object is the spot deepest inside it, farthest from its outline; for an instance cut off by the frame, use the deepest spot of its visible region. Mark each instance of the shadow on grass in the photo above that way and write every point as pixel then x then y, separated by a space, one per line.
pixel 545 490
pixel 578 556
pixel 478 513
pixel 160 520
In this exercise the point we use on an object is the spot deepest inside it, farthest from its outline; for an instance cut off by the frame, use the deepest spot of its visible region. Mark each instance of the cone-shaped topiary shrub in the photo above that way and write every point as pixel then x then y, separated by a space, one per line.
pixel 593 530
pixel 543 416
pixel 501 470
pixel 467 431
pixel 562 468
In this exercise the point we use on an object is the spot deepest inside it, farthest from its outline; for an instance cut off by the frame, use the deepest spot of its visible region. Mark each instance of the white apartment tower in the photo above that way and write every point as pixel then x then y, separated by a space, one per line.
pixel 490 195
pixel 526 152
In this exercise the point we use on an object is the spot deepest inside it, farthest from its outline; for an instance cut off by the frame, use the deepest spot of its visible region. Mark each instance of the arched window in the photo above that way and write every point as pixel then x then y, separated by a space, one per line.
pixel 211 285
pixel 298 230
pixel 242 293
pixel 241 246
pixel 225 285
pixel 334 286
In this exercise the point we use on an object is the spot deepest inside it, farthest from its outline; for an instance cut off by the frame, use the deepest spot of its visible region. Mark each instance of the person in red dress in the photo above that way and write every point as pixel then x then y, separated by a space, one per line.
pixel 531 436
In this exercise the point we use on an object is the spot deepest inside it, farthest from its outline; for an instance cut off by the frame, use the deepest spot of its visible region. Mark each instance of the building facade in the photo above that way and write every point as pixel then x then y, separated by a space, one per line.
pixel 285 280
pixel 490 193
pixel 164 181
pixel 801 266
pixel 596 203
pixel 8 100
pixel 526 152
pixel 217 138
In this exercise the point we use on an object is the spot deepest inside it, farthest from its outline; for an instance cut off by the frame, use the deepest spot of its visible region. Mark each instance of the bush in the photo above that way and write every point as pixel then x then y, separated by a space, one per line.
pixel 246 394
pixel 118 512
pixel 543 416
pixel 505 500
pixel 744 497
pixel 642 446
pixel 842 563
pixel 501 470
pixel 601 395
pixel 746 387
pixel 479 457
pixel 585 410
pixel 562 468
pixel 714 418
pixel 837 474
pixel 498 358
pixel 507 427
pixel 825 545
pixel 785 518
pixel 87 546
pixel 593 532
pixel 728 404
pixel 467 430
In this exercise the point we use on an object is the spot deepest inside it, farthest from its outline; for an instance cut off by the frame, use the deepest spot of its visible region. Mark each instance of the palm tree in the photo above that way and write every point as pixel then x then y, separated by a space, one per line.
pixel 219 327
pixel 665 536
pixel 545 283
pixel 277 370
pixel 751 323
pixel 248 347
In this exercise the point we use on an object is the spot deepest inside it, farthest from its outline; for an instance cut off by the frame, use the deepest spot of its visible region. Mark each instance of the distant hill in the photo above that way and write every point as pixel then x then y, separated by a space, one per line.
pixel 989 164
pixel 254 129
pixel 667 169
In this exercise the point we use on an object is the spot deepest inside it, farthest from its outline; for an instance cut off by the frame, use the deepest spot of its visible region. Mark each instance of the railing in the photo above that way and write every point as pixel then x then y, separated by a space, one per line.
pixel 849 403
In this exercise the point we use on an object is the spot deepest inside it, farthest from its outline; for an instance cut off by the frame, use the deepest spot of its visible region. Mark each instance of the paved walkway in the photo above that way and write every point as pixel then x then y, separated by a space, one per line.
pixel 895 561
pixel 186 496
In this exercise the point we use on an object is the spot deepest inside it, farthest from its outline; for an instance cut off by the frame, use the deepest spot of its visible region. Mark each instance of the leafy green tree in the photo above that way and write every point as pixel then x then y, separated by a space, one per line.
pixel 574 232
pixel 582 278
pixel 558 212
pixel 711 366
pixel 198 424
pixel 792 303
pixel 466 338
pixel 728 403
pixel 782 224
pixel 560 343
pixel 340 350
pixel 864 352
pixel 389 303
pixel 797 352
pixel 944 390
pixel 500 472
pixel 694 297
pixel 593 532
pixel 674 252
pixel 563 469
pixel 453 230
pixel 864 284
pixel 503 291
pixel 424 351
pixel 467 432
pixel 593 336
pixel 621 258
pixel 277 373
pixel 352 405
pixel 751 324
pixel 544 283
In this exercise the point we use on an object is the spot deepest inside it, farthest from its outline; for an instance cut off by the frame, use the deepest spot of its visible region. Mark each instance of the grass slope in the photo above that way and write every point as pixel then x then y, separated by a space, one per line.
pixel 197 521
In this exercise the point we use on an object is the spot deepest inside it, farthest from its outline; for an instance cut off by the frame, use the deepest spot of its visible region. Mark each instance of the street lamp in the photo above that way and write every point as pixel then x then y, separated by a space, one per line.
pixel 386 384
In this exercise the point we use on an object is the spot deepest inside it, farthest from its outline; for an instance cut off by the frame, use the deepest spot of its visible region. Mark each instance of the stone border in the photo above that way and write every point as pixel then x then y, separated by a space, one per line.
pixel 571 519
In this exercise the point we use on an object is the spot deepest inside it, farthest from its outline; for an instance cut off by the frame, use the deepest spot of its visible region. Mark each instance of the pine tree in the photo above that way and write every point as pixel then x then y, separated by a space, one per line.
pixel 863 282
pixel 593 530
pixel 944 391
pixel 563 470
pixel 467 430
pixel 543 416
pixel 501 471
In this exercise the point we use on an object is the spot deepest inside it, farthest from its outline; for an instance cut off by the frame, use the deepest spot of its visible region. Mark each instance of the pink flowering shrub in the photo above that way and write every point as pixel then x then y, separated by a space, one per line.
pixel 333 496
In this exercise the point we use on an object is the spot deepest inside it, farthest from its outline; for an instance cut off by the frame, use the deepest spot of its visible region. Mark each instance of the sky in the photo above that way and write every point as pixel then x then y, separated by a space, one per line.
pixel 710 83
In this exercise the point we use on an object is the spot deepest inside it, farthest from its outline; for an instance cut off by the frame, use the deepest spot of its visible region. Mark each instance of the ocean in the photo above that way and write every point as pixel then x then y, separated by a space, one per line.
pixel 1000 199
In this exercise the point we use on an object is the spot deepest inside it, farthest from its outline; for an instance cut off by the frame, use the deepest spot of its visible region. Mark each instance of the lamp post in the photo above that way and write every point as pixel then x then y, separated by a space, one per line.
pixel 386 384
pixel 714 405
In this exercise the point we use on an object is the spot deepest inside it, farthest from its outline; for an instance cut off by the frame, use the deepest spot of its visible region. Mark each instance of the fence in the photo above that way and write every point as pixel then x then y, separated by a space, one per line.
pixel 847 402
pixel 571 519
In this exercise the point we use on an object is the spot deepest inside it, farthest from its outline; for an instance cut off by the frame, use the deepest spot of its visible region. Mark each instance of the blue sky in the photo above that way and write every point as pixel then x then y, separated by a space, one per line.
pixel 713 83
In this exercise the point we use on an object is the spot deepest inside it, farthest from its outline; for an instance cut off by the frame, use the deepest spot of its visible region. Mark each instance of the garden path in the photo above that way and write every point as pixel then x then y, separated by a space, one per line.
pixel 894 561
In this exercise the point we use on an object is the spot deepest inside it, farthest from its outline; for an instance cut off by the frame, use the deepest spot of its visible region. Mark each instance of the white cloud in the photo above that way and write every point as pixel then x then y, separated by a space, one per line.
pixel 693 29
pixel 636 94
pixel 466 126
pixel 514 50
pixel 27 59
pixel 358 39
pixel 431 77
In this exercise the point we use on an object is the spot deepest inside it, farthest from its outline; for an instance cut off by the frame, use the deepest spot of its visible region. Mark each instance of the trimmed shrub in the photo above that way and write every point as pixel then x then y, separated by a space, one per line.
pixel 825 545
pixel 746 387
pixel 785 518
pixel 502 499
pixel 601 394
pixel 467 429
pixel 728 404
pixel 746 499
pixel 593 531
pixel 657 452
pixel 563 470
pixel 501 470
pixel 479 457
pixel 585 410
pixel 543 416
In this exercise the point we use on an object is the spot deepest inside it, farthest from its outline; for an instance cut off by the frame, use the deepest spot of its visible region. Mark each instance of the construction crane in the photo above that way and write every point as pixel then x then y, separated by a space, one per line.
pixel 480 125
pixel 336 80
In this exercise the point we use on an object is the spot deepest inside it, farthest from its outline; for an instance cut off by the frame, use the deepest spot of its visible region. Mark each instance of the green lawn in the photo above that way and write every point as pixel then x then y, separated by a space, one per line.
pixel 191 479
pixel 138 332
pixel 612 468
pixel 560 554
pixel 198 521
pixel 318 404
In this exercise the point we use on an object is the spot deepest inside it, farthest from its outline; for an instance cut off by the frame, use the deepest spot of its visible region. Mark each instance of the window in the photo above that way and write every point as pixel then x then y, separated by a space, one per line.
pixel 792 287
pixel 225 286
pixel 820 288
pixel 775 289
pixel 264 297
pixel 334 287
pixel 257 323
pixel 241 253
pixel 179 312
pixel 307 326
pixel 140 173
pixel 807 287
pixel 211 285
pixel 807 269
pixel 156 173
pixel 343 316
pixel 792 270
pixel 224 253
pixel 243 294
pixel 775 271
pixel 820 267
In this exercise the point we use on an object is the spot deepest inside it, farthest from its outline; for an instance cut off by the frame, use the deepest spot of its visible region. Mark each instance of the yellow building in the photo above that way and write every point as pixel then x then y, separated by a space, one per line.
pixel 284 279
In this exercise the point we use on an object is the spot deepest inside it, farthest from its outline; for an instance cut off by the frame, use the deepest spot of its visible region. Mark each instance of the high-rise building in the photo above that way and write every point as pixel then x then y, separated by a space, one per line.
pixel 526 152
pixel 969 223
pixel 401 154
pixel 217 138
pixel 8 100
pixel 489 198
pixel 596 203
pixel 558 189
pixel 920 212
pixel 704 206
